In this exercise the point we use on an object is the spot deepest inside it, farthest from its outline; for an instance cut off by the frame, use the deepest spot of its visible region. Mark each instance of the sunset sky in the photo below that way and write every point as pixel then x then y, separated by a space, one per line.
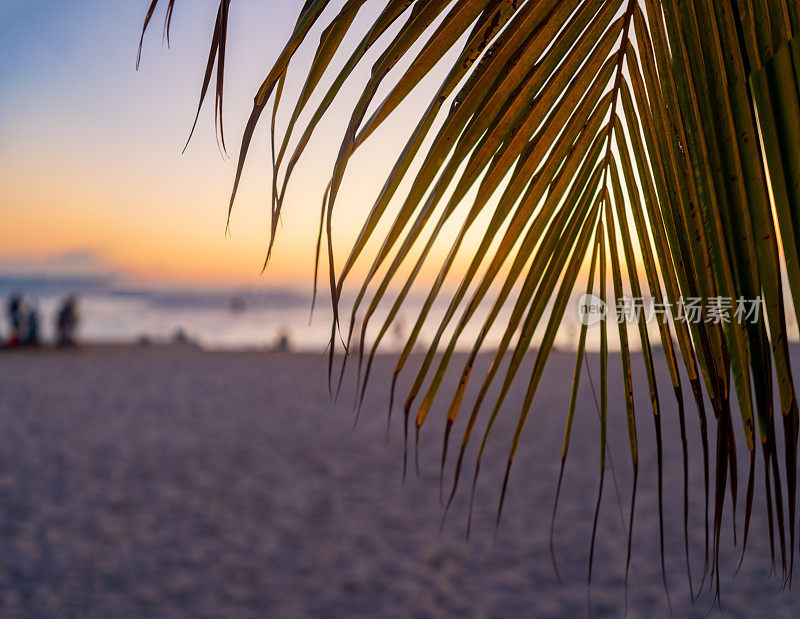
pixel 90 150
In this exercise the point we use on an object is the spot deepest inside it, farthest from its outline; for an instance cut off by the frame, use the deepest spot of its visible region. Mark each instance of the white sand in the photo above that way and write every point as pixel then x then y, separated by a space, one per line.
pixel 159 481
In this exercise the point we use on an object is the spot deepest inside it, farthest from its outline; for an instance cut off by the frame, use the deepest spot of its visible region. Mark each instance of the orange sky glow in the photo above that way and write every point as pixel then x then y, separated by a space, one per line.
pixel 90 149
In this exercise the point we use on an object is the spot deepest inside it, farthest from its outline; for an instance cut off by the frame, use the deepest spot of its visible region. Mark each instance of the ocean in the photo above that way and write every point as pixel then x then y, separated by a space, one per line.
pixel 235 319
pixel 242 319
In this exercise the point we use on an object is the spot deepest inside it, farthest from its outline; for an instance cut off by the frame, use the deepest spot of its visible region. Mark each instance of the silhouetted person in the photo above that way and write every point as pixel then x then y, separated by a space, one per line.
pixel 32 336
pixel 180 337
pixel 67 322
pixel 282 343
pixel 14 309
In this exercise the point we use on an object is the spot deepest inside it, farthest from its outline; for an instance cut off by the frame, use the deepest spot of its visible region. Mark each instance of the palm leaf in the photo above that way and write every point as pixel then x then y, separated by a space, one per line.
pixel 575 128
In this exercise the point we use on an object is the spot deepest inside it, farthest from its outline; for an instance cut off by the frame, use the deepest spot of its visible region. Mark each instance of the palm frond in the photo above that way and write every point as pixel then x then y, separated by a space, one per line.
pixel 655 140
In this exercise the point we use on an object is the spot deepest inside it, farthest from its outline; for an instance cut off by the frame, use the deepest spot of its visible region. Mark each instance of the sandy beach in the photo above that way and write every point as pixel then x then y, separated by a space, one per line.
pixel 166 481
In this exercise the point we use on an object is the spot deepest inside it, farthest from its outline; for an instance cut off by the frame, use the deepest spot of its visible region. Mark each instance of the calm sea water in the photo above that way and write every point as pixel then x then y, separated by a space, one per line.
pixel 218 319
pixel 242 319
pixel 235 319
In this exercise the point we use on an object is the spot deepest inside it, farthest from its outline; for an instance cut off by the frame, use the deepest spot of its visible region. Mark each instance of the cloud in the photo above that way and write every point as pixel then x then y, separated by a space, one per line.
pixel 73 264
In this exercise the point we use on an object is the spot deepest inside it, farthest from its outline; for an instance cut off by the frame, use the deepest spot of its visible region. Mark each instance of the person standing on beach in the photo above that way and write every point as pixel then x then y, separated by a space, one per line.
pixel 32 335
pixel 67 322
pixel 14 310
